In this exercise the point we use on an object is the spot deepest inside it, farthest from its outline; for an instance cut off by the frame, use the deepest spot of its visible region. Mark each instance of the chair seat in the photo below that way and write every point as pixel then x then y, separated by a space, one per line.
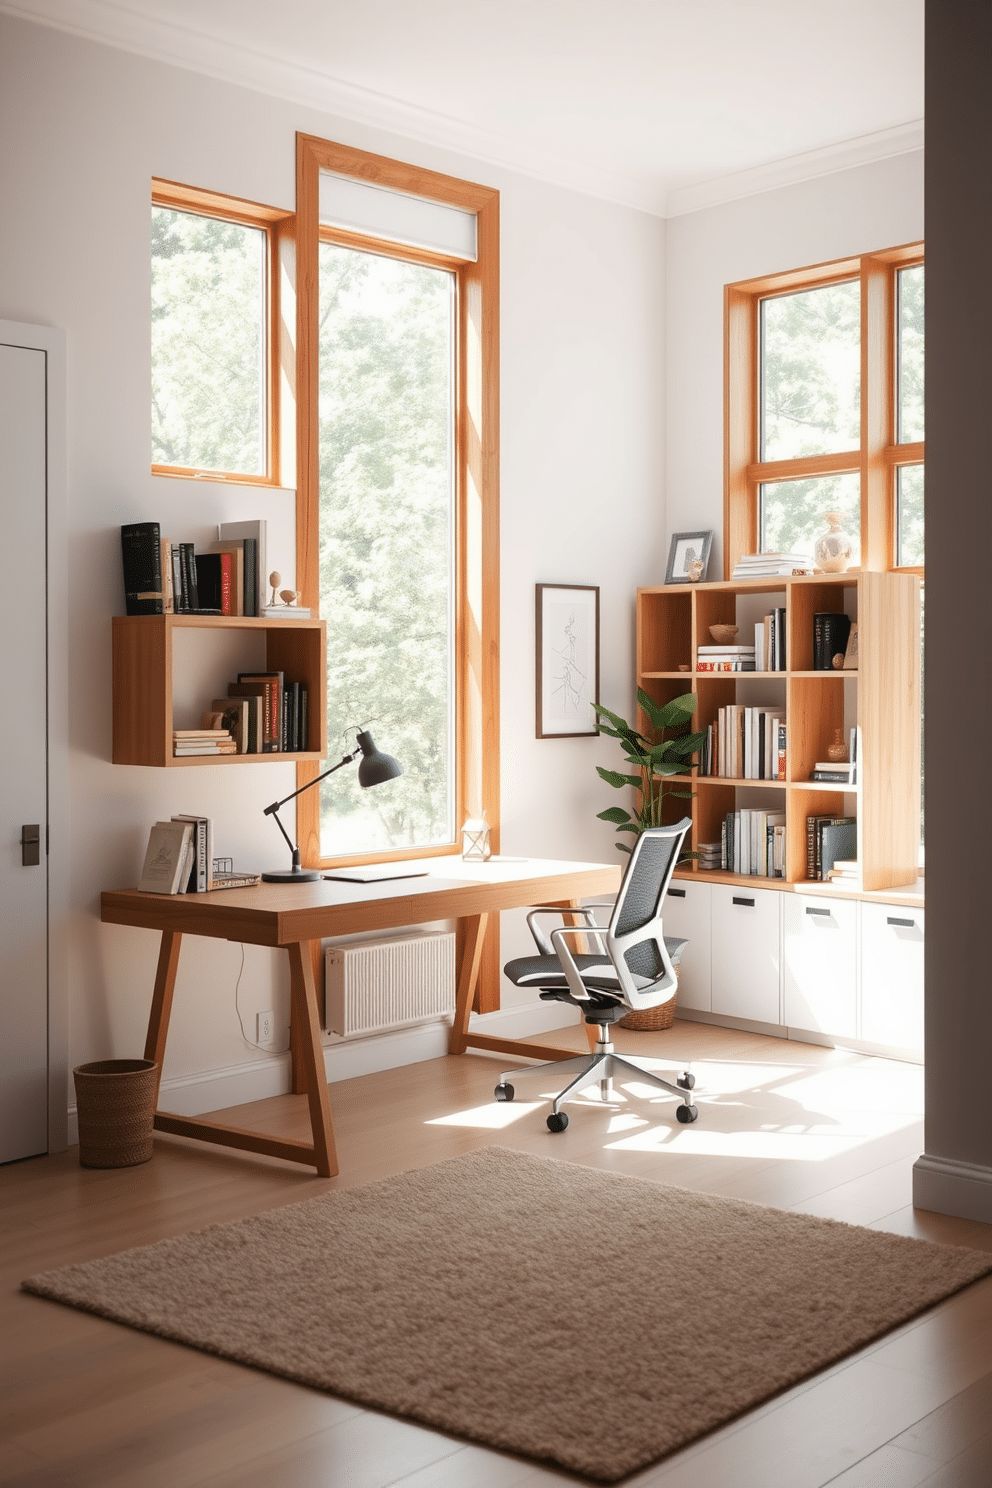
pixel 595 971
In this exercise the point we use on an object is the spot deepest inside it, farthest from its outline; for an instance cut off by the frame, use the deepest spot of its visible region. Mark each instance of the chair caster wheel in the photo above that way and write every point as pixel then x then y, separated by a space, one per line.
pixel 686 1081
pixel 557 1121
pixel 686 1114
pixel 504 1092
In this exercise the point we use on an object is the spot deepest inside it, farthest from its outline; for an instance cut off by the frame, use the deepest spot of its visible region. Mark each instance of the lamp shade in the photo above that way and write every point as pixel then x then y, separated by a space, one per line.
pixel 375 767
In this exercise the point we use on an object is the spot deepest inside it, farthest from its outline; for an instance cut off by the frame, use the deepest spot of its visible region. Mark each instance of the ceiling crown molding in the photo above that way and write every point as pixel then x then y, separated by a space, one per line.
pixel 882 145
pixel 231 62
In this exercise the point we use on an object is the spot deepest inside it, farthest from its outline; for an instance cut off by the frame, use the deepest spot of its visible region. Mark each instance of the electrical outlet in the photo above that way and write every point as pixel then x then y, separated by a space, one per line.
pixel 266 1027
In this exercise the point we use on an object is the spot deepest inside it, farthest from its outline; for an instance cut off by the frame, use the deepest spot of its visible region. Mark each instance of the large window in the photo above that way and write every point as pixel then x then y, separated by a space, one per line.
pixel 387 541
pixel 215 336
pixel 825 408
pixel 397 540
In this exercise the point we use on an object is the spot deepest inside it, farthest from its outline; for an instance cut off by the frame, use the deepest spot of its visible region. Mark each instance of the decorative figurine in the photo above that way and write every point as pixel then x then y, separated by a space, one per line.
pixel 275 579
pixel 837 751
pixel 832 553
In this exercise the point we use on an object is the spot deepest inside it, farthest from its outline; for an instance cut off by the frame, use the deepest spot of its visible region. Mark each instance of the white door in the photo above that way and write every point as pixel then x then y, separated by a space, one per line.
pixel 686 912
pixel 892 976
pixel 23 757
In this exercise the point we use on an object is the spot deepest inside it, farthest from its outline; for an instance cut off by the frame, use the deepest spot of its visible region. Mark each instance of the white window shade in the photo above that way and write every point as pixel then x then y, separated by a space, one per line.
pixel 345 202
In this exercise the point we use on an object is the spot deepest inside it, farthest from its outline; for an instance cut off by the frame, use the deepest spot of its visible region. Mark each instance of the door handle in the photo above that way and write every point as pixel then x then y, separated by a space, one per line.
pixel 676 893
pixel 30 845
pixel 745 903
pixel 811 911
pixel 906 924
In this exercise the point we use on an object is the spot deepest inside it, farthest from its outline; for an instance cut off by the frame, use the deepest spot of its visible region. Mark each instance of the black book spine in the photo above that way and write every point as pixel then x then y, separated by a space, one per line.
pixel 189 577
pixel 141 552
pixel 178 587
pixel 304 718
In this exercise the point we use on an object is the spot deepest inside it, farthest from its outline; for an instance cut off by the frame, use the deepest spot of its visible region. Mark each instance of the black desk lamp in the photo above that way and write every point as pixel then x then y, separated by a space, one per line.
pixel 374 770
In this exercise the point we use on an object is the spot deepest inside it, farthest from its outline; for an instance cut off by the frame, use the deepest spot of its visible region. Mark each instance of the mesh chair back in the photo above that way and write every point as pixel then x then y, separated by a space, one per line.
pixel 644 887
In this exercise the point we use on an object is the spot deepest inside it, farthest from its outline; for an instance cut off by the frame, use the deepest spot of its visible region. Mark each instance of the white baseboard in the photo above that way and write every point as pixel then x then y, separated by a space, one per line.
pixel 213 1090
pixel 950 1187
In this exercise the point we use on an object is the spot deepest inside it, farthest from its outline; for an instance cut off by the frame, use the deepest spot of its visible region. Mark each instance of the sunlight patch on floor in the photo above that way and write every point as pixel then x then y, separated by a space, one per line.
pixel 488 1118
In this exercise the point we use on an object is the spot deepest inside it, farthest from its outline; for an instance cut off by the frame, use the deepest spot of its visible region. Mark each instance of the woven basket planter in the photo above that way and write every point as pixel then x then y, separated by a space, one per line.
pixel 652 1020
pixel 115 1103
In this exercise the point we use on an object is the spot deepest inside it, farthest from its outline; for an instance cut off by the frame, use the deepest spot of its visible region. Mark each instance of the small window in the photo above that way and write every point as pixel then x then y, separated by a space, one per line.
pixel 910 371
pixel 214 332
pixel 811 372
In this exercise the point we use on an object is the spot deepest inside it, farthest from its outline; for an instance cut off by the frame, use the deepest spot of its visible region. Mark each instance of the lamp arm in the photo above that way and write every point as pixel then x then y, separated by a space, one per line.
pixel 271 810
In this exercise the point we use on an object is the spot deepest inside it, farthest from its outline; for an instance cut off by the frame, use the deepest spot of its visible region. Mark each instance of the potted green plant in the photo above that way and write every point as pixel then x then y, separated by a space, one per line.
pixel 655 759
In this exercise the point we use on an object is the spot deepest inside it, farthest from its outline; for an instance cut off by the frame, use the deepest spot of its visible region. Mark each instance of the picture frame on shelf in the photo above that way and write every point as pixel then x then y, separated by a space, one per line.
pixel 689 557
pixel 567 646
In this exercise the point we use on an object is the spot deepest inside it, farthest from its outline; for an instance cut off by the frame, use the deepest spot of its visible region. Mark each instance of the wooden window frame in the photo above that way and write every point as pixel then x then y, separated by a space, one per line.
pixel 878 456
pixel 476 473
pixel 280 328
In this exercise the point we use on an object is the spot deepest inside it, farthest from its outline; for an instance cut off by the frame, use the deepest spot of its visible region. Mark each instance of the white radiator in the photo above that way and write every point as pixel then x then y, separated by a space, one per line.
pixel 382 984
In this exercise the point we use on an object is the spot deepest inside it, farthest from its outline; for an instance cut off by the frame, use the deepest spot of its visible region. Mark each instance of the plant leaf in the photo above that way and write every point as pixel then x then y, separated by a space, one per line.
pixel 614 814
pixel 614 778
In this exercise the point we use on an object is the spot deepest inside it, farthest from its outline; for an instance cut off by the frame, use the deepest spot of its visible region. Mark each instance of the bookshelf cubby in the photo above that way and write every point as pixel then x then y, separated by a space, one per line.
pixel 144 657
pixel 882 698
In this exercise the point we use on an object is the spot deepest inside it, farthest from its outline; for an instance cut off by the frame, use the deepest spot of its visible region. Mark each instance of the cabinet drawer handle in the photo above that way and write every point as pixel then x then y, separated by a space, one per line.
pixel 745 903
pixel 812 911
pixel 676 893
pixel 892 920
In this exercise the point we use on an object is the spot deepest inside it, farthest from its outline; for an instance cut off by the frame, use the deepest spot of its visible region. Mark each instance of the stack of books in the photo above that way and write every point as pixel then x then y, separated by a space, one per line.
pixel 764 565
pixel 179 860
pixel 845 871
pixel 186 742
pixel 725 659
pixel 840 772
pixel 163 577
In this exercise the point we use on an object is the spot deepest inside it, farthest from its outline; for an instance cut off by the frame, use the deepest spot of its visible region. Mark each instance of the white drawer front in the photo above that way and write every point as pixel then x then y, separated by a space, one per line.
pixel 892 975
pixel 819 964
pixel 746 928
pixel 686 912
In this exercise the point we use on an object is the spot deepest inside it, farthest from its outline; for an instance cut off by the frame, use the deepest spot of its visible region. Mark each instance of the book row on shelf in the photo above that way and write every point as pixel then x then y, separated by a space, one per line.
pixel 262 714
pixel 752 844
pixel 829 838
pixel 179 860
pixel 835 647
pixel 746 743
pixel 163 577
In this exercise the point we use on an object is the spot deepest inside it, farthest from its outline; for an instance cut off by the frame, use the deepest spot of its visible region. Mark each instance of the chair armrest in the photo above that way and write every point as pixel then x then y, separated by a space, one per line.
pixel 540 939
pixel 576 985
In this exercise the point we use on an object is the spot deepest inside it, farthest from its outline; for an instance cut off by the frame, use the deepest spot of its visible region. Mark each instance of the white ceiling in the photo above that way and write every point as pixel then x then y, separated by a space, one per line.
pixel 665 105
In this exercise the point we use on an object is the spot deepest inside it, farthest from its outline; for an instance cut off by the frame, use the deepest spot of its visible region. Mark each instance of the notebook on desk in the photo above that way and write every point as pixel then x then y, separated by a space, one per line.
pixel 376 874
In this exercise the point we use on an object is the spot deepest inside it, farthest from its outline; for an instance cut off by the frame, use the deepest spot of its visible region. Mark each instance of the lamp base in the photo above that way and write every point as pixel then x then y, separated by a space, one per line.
pixel 291 875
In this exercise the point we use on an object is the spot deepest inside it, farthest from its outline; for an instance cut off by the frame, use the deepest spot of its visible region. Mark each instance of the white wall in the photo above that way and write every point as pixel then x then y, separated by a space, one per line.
pixel 83 128
pixel 836 216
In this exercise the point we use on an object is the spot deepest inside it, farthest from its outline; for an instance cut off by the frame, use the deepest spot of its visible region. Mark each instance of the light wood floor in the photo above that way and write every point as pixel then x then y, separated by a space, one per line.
pixel 87 1404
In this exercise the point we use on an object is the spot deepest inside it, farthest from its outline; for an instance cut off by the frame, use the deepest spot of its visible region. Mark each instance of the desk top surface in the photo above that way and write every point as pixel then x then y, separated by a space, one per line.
pixel 282 914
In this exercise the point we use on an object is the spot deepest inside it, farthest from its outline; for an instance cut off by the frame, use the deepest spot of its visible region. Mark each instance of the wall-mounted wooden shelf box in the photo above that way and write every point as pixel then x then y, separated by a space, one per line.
pixel 882 698
pixel 143 656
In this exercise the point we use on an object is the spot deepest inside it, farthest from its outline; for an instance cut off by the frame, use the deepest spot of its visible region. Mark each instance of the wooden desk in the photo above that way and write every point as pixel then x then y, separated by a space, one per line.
pixel 295 916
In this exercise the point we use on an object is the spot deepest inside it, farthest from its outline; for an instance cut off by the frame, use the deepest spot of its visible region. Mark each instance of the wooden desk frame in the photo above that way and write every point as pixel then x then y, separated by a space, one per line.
pixel 296 918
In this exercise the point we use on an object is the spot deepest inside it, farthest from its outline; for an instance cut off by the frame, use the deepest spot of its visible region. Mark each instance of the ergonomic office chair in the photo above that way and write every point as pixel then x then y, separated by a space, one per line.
pixel 634 967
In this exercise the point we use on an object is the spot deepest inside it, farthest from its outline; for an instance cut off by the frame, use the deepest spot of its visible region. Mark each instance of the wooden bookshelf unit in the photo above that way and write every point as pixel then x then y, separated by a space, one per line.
pixel 882 698
pixel 143 652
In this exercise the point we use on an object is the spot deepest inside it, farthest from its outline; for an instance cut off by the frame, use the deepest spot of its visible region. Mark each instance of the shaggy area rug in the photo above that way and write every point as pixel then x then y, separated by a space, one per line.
pixel 581 1317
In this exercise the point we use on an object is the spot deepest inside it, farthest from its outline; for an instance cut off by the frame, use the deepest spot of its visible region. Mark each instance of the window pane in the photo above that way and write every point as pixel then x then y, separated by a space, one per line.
pixel 208 343
pixel 911 314
pixel 811 372
pixel 909 526
pixel 793 513
pixel 386 407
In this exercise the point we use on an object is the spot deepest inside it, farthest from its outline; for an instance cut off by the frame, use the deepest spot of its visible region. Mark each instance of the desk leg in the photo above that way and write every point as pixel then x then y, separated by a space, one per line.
pixel 161 1010
pixel 311 1057
pixel 468 976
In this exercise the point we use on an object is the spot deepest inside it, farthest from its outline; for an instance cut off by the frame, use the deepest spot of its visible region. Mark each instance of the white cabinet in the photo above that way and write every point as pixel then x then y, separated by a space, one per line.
pixel 892 976
pixel 686 913
pixel 746 932
pixel 819 964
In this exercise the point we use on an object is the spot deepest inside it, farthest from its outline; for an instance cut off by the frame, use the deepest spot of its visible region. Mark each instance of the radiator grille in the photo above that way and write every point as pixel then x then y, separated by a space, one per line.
pixel 389 983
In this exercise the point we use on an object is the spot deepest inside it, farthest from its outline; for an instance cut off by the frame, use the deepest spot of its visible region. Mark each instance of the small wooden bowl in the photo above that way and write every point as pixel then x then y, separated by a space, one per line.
pixel 723 634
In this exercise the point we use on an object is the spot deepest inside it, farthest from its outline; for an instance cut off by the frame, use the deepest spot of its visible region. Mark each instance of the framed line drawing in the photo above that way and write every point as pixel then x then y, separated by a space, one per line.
pixel 567 660
pixel 689 557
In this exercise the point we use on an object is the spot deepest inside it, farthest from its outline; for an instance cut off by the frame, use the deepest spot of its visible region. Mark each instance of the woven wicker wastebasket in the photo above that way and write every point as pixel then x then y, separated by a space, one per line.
pixel 115 1103
pixel 653 1020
